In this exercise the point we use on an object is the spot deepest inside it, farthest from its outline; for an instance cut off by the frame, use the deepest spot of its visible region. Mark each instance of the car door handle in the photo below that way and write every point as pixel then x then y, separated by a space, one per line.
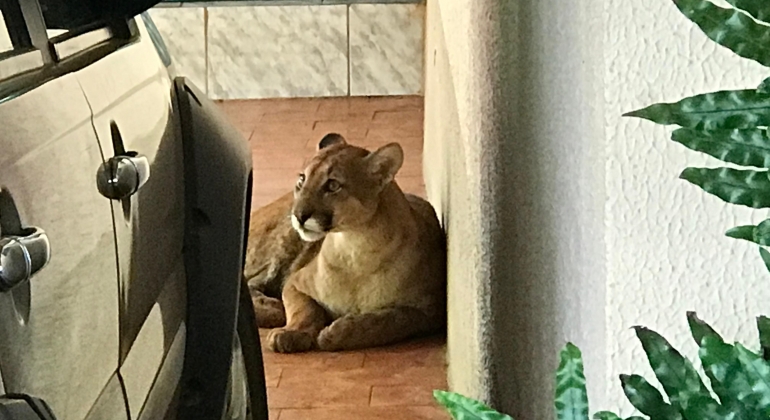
pixel 21 256
pixel 24 250
pixel 24 407
pixel 124 174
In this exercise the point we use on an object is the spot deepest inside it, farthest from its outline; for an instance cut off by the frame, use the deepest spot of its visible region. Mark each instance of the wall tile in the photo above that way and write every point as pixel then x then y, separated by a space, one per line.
pixel 277 51
pixel 183 31
pixel 386 49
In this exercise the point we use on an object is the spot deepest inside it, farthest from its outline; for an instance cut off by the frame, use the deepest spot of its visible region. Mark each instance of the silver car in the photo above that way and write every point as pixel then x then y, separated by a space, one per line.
pixel 124 203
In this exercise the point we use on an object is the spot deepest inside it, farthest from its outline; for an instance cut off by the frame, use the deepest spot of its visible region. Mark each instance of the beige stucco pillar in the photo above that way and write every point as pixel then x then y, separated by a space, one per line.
pixel 513 163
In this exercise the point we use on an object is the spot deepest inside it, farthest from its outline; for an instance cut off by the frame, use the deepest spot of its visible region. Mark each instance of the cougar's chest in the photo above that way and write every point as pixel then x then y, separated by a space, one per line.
pixel 342 293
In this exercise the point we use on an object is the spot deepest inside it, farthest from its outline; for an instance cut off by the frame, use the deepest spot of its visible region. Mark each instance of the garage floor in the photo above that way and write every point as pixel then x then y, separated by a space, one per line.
pixel 388 383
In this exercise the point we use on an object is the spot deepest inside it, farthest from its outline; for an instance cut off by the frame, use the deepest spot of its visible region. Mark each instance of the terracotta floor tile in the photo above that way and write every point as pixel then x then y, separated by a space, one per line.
pixel 427 376
pixel 246 134
pixel 313 362
pixel 428 352
pixel 243 110
pixel 393 103
pixel 313 393
pixel 309 105
pixel 380 134
pixel 401 395
pixel 272 187
pixel 273 414
pixel 398 116
pixel 345 109
pixel 353 131
pixel 412 165
pixel 272 374
pixel 262 200
pixel 367 413
pixel 290 133
pixel 411 185
pixel 291 163
pixel 287 116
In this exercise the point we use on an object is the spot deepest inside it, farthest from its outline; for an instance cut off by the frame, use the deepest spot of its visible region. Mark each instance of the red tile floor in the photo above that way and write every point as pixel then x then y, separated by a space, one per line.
pixel 394 382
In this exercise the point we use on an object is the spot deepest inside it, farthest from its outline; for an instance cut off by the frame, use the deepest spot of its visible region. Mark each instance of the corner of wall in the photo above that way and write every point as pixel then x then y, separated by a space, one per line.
pixel 518 190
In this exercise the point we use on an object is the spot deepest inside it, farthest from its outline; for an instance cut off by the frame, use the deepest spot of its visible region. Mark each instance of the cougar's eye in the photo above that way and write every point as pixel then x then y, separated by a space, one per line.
pixel 300 180
pixel 333 185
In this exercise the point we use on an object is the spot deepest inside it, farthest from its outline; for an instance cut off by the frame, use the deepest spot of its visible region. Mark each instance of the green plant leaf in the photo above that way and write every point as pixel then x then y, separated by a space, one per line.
pixel 744 187
pixel 729 28
pixel 635 418
pixel 765 257
pixel 745 232
pixel 700 328
pixel 727 109
pixel 647 399
pixel 704 408
pixel 464 408
pixel 762 233
pixel 758 374
pixel 763 325
pixel 747 147
pixel 728 378
pixel 571 397
pixel 759 9
pixel 764 87
pixel 606 415
pixel 675 373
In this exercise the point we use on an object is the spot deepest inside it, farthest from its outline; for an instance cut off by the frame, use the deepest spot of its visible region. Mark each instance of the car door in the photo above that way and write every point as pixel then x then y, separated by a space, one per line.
pixel 59 325
pixel 129 92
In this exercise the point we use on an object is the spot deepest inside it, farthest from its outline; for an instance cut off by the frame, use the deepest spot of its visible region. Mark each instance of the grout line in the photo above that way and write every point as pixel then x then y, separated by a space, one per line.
pixel 350 63
pixel 280 376
pixel 371 392
pixel 206 47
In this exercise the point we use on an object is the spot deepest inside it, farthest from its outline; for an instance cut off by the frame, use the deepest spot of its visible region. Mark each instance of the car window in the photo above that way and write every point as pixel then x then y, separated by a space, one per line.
pixel 17 54
pixel 73 26
pixel 5 37
pixel 63 15
pixel 44 39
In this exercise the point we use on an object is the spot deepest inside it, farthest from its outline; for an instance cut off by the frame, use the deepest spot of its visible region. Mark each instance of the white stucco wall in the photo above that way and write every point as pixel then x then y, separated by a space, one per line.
pixel 666 250
pixel 567 221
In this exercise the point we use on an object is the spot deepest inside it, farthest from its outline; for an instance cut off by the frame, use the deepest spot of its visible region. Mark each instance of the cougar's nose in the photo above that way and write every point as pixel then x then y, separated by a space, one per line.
pixel 302 216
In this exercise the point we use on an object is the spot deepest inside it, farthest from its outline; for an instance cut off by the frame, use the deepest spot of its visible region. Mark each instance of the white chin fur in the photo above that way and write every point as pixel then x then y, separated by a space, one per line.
pixel 306 234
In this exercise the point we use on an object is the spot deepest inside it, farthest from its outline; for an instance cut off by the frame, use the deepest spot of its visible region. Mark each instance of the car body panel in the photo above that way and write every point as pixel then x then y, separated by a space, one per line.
pixel 134 317
pixel 131 88
pixel 218 174
pixel 111 403
pixel 59 331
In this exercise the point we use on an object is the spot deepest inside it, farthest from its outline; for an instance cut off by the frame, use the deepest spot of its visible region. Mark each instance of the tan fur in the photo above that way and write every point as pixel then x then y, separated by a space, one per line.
pixel 274 251
pixel 376 271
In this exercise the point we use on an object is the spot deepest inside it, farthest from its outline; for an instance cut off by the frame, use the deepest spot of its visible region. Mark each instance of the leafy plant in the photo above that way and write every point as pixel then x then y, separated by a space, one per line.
pixel 739 382
pixel 571 397
pixel 729 125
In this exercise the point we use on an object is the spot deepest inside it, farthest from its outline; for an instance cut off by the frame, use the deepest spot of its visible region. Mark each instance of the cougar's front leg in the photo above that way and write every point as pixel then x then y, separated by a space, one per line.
pixel 304 319
pixel 269 311
pixel 373 329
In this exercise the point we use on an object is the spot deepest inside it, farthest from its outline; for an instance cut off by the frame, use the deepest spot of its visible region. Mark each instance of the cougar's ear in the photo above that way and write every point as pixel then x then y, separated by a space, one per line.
pixel 385 162
pixel 331 139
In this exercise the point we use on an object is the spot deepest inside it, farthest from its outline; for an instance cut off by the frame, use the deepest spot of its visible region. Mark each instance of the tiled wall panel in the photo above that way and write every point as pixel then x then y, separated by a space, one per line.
pixel 259 51
pixel 386 49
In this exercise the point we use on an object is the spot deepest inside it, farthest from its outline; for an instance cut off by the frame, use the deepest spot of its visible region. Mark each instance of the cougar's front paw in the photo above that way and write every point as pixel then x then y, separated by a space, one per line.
pixel 337 336
pixel 281 340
